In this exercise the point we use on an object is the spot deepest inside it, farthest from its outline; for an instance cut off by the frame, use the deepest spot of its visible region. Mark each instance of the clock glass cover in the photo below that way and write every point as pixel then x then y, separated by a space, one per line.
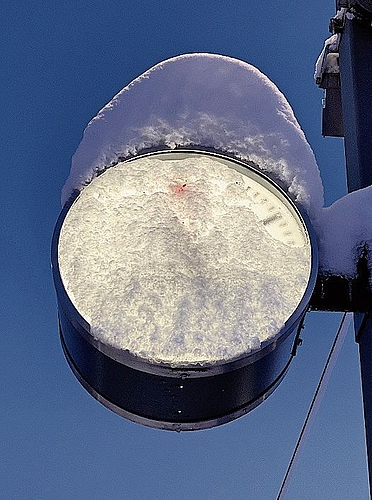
pixel 184 258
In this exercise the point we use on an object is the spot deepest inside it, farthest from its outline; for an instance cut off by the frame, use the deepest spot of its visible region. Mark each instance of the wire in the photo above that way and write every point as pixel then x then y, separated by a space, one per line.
pixel 315 403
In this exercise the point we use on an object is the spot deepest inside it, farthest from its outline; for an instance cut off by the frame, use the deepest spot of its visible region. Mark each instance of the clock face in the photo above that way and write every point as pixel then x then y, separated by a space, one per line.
pixel 184 258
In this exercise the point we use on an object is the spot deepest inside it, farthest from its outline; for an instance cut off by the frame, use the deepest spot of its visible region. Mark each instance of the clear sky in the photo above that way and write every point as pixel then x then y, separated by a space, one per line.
pixel 60 63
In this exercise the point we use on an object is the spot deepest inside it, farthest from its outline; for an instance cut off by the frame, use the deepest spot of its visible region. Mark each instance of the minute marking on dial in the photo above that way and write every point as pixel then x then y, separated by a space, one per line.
pixel 271 218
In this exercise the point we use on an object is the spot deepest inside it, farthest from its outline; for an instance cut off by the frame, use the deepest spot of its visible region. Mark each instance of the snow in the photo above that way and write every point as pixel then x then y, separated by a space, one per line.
pixel 221 103
pixel 327 61
pixel 344 230
pixel 182 261
pixel 207 100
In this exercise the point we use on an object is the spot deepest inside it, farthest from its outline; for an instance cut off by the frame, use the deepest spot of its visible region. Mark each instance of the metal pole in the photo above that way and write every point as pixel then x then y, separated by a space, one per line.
pixel 356 91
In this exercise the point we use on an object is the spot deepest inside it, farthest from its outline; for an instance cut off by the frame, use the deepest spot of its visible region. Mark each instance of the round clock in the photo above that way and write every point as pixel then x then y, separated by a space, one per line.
pixel 182 280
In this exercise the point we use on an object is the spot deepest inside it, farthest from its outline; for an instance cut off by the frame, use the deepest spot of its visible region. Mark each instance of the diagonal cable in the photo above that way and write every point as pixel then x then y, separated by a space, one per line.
pixel 315 403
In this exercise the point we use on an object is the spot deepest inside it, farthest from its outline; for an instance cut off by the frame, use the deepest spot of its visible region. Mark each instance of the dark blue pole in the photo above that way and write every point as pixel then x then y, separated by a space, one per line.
pixel 356 92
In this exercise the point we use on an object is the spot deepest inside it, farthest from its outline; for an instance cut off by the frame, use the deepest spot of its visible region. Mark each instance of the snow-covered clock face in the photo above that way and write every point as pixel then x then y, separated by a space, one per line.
pixel 184 258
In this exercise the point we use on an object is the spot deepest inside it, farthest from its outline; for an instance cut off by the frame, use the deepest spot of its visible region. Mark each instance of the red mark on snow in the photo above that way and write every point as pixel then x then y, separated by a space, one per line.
pixel 178 188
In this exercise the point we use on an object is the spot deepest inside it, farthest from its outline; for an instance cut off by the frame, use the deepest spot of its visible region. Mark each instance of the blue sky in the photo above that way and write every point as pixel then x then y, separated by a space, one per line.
pixel 60 64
